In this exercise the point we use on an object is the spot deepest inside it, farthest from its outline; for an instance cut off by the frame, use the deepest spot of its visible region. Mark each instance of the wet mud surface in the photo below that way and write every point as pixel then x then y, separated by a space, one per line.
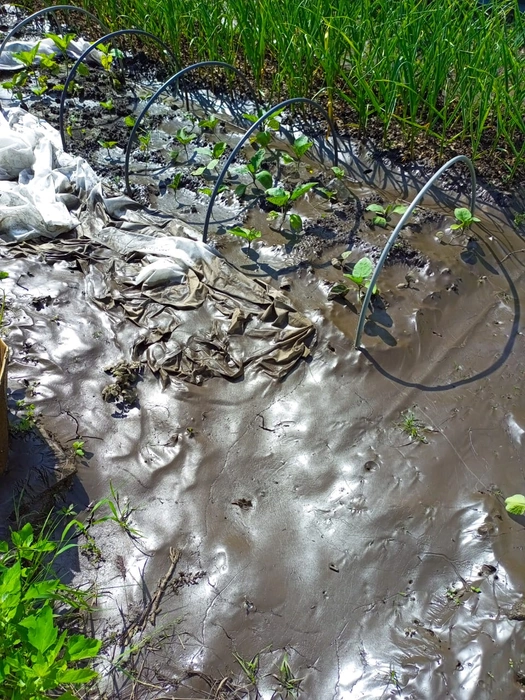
pixel 303 516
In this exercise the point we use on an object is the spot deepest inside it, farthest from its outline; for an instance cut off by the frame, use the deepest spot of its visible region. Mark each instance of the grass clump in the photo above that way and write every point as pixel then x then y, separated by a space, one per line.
pixel 450 73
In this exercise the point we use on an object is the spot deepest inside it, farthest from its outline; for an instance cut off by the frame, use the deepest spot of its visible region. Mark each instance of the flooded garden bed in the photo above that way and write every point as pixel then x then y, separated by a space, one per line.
pixel 270 506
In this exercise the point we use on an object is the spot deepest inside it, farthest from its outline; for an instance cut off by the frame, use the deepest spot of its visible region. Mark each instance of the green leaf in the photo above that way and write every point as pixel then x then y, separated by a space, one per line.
pixel 205 190
pixel 296 223
pixel 251 118
pixel 62 42
pixel 41 630
pixel 184 137
pixel 209 123
pixel 363 268
pixel 287 159
pixel 10 589
pixel 376 208
pixel 272 215
pixel 463 214
pixel 78 675
pixel 257 160
pixel 175 182
pixel 338 172
pixel 24 537
pixel 219 148
pixel 239 170
pixel 265 178
pixel 203 151
pixel 379 221
pixel 400 208
pixel 240 190
pixel 42 590
pixel 515 504
pixel 346 254
pixel 329 194
pixel 301 145
pixel 338 290
pixel 199 171
pixel 249 234
pixel 277 196
pixel 302 189
pixel 356 279
pixel 263 138
pixel 130 121
pixel 212 164
pixel 107 105
pixel 27 57
pixel 366 284
pixel 80 647
pixel 83 70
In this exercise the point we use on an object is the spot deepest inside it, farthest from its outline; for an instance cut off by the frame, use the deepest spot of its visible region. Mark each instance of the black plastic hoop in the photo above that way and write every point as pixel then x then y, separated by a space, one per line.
pixel 174 79
pixel 53 8
pixel 80 59
pixel 254 127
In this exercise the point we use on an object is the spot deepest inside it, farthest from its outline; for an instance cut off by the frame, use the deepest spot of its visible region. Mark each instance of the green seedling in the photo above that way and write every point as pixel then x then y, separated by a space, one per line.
pixel 286 679
pixel 254 170
pixel 108 145
pixel 130 121
pixel 361 276
pixel 249 234
pixel 26 414
pixel 107 105
pixel 249 668
pixel 117 513
pixel 174 155
pixel 300 146
pixel 107 56
pixel 208 191
pixel 263 138
pixel 175 182
pixel 49 63
pixel 61 42
pixel 329 194
pixel 209 123
pixel 515 504
pixel 338 172
pixel 42 86
pixel 284 199
pixel 519 219
pixel 383 214
pixel 214 156
pixel 78 448
pixel 145 141
pixel 185 138
pixel 413 427
pixel 18 81
pixel 464 219
pixel 27 58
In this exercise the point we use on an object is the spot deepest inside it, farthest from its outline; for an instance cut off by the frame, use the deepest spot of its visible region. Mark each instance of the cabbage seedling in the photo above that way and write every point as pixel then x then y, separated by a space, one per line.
pixel 383 214
pixel 249 234
pixel 464 219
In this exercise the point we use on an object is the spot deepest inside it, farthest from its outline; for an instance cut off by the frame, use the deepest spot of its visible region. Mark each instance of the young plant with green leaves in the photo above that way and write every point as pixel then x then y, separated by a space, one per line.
pixel 383 214
pixel 62 42
pixel 254 169
pixel 265 135
pixel 289 683
pixel 209 123
pixel 21 78
pixel 108 145
pixel 249 234
pixel 107 105
pixel 284 199
pixel 464 219
pixel 185 138
pixel 78 448
pixel 300 146
pixel 38 659
pixel 361 276
pixel 214 155
pixel 3 275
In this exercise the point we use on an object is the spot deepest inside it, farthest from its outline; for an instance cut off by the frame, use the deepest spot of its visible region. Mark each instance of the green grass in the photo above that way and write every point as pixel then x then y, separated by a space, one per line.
pixel 451 72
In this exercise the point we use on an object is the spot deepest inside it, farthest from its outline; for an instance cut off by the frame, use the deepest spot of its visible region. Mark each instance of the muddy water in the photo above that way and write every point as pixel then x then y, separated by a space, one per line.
pixel 381 564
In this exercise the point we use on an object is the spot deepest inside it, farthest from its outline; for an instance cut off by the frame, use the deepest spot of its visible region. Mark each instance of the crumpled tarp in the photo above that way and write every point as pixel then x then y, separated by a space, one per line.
pixel 40 184
pixel 197 315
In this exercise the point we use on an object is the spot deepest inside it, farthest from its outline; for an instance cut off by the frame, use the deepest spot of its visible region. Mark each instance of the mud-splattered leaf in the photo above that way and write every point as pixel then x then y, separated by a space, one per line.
pixel 515 504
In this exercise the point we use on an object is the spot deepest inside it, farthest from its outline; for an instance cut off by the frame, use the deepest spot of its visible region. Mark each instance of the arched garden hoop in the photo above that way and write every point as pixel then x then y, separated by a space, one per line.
pixel 251 130
pixel 401 223
pixel 102 40
pixel 174 79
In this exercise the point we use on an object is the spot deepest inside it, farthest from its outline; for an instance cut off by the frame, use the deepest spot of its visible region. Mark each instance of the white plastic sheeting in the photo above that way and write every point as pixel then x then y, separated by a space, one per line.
pixel 39 182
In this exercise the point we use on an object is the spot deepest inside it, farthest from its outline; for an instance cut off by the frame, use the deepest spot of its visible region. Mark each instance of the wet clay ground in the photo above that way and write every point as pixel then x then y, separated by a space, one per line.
pixel 307 522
